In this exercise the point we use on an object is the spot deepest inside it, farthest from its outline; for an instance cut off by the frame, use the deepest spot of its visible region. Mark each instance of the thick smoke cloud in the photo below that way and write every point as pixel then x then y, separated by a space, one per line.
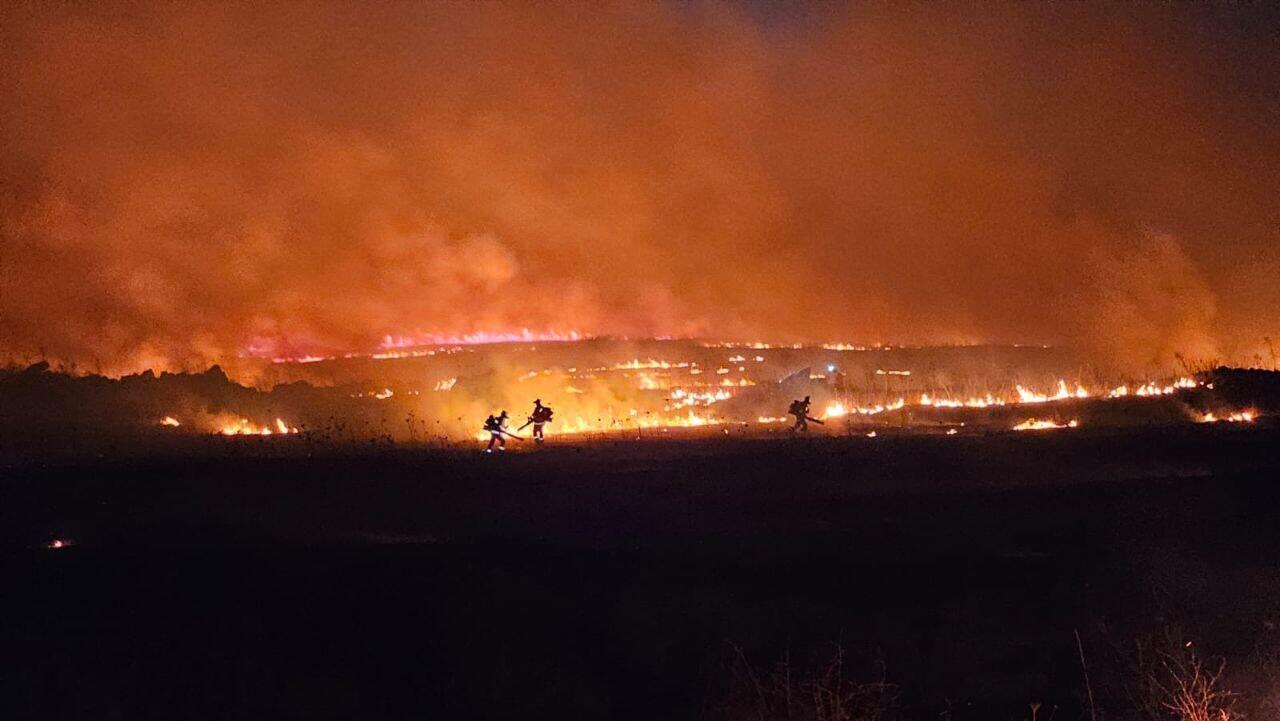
pixel 180 182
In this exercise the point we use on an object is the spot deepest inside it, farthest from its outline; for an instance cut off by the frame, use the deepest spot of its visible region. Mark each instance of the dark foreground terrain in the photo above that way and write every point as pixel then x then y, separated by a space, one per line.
pixel 628 580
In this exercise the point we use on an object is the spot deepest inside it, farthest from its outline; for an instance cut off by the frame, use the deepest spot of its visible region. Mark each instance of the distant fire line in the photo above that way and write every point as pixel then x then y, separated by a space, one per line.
pixel 418 344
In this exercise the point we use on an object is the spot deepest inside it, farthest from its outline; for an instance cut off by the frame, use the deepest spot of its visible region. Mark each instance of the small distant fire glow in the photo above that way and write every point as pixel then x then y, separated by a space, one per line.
pixel 524 335
pixel 170 421
pixel 1032 424
pixel 420 345
pixel 1237 417
pixel 244 427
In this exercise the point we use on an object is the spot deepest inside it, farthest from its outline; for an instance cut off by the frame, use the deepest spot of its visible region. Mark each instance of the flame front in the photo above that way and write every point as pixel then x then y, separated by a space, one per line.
pixel 245 427
pixel 715 383
pixel 1247 416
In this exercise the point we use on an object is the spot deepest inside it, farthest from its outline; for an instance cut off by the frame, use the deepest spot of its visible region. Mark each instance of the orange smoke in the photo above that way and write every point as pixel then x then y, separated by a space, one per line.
pixel 185 182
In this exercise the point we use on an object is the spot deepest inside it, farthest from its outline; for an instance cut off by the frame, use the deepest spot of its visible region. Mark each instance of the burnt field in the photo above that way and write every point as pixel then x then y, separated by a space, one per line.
pixel 623 579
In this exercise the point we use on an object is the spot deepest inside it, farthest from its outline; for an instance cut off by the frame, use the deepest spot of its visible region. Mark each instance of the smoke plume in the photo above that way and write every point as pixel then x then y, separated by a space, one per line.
pixel 181 182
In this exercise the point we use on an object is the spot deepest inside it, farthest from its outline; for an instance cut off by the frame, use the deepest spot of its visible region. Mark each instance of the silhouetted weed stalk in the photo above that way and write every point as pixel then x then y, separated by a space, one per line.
pixel 1171 681
pixel 1181 686
pixel 826 693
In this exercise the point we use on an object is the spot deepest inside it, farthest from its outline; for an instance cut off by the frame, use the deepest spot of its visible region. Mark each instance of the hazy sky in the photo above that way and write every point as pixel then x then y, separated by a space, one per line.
pixel 181 181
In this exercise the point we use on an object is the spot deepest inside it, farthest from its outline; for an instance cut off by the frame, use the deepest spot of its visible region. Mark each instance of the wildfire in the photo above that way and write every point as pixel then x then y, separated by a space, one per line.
pixel 393 354
pixel 1237 417
pixel 634 419
pixel 681 398
pixel 170 421
pixel 1062 393
pixel 649 364
pixel 835 410
pixel 1022 395
pixel 244 427
pixel 838 410
pixel 671 388
pixel 481 338
pixel 753 345
pixel 1031 424
pixel 420 345
pixel 690 420
pixel 983 402
pixel 1152 389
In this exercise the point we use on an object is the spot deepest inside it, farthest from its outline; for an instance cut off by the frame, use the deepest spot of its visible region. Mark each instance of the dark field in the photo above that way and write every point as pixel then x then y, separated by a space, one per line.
pixel 615 580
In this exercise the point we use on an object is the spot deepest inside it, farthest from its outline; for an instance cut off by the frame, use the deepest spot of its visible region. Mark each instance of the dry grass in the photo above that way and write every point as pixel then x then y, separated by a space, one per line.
pixel 826 693
pixel 1179 685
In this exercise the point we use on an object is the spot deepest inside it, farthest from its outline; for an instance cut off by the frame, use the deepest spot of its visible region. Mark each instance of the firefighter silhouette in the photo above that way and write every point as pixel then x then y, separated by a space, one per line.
pixel 497 427
pixel 540 416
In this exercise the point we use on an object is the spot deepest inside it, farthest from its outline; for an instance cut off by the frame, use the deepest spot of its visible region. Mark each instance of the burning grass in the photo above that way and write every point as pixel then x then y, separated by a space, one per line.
pixel 245 427
pixel 1032 424
pixel 1247 416
pixel 601 387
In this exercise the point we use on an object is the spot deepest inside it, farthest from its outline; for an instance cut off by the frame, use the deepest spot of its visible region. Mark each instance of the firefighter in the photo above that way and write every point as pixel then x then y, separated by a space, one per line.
pixel 541 416
pixel 497 427
pixel 800 409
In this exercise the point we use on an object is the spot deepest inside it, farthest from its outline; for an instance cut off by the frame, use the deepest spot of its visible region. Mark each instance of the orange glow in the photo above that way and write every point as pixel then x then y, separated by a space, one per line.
pixel 1061 393
pixel 440 202
pixel 633 419
pixel 524 335
pixel 1247 416
pixel 1032 424
pixel 244 427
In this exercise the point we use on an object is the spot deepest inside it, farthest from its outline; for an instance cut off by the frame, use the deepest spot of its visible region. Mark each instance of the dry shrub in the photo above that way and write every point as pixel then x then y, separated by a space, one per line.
pixel 1179 685
pixel 825 693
